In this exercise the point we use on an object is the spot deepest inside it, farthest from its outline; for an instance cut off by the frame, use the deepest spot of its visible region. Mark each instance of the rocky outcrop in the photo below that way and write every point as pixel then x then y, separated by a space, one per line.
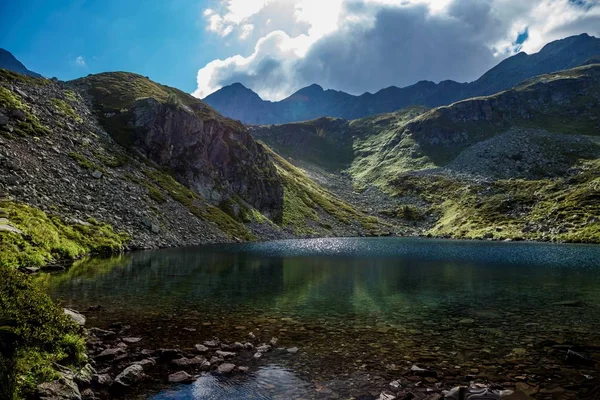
pixel 217 158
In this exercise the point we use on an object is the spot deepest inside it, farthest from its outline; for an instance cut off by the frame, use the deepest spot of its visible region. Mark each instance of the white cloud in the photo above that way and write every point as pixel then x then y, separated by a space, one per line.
pixel 80 61
pixel 364 45
pixel 247 30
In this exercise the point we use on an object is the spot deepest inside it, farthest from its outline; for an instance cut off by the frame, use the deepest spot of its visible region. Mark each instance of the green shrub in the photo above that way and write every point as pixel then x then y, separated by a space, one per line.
pixel 39 336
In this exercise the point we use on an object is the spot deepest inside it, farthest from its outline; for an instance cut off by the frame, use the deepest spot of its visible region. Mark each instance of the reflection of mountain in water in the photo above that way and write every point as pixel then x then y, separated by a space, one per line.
pixel 393 279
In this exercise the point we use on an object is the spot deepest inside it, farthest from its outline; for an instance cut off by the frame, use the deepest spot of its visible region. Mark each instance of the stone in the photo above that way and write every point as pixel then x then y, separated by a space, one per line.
pixel 156 229
pixel 102 380
pixel 97 174
pixel 211 343
pixel 466 321
pixel 63 388
pixel 248 346
pixel 75 316
pixel 185 362
pixel 292 350
pixel 130 376
pixel 258 355
pixel 395 386
pixel 200 348
pixel 83 378
pixel 88 394
pixel 110 354
pixel 147 363
pixel 181 377
pixel 226 368
pixel 102 334
pixel 225 354
pixel 264 348
pixel 273 341
pixel 243 369
pixel 386 396
pixel 131 340
pixel 238 346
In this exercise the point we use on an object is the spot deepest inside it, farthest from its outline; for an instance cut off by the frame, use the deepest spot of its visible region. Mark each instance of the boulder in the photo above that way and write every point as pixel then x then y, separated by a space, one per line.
pixel 226 368
pixel 77 317
pixel 181 377
pixel 63 388
pixel 110 354
pixel 130 376
pixel 83 378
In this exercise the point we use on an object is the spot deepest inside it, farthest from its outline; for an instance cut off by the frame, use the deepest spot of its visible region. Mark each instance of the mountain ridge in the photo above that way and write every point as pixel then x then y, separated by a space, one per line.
pixel 313 101
pixel 10 62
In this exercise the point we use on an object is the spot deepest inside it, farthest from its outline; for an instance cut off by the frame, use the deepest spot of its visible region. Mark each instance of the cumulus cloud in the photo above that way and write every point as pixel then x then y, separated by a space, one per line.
pixel 365 45
pixel 80 61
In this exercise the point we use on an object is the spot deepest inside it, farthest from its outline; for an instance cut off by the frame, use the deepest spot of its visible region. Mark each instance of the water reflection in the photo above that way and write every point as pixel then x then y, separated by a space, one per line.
pixel 349 304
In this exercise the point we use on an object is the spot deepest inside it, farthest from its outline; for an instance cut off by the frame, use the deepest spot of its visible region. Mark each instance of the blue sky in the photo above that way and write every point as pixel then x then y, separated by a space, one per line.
pixel 276 47
pixel 164 40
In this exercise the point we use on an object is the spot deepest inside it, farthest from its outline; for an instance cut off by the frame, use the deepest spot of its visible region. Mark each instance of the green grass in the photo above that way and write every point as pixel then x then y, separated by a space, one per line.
pixel 12 77
pixel 558 209
pixel 304 201
pixel 65 108
pixel 198 207
pixel 47 238
pixel 39 336
pixel 32 125
pixel 85 163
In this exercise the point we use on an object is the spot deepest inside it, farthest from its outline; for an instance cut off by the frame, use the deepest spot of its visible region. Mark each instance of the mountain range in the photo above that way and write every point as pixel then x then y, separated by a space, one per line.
pixel 240 103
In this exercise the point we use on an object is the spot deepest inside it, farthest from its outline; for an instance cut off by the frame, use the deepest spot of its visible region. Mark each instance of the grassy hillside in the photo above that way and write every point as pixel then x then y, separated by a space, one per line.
pixel 310 210
pixel 520 164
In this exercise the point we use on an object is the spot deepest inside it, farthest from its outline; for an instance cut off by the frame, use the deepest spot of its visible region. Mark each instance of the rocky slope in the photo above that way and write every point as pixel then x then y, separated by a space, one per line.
pixel 521 164
pixel 312 102
pixel 118 157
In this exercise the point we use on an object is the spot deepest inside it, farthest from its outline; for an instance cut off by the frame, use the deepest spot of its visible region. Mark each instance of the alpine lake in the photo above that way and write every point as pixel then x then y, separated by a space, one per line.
pixel 361 312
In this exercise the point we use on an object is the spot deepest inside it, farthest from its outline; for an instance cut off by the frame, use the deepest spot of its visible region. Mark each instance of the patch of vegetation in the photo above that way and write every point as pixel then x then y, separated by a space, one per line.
pixel 10 76
pixel 112 161
pixel 31 125
pixel 70 95
pixel 198 207
pixel 64 108
pixel 47 238
pixel 35 335
pixel 83 162
pixel 304 201
pixel 407 212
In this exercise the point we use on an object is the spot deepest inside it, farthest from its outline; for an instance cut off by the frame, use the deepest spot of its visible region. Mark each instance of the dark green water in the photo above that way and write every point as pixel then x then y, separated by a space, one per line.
pixel 351 305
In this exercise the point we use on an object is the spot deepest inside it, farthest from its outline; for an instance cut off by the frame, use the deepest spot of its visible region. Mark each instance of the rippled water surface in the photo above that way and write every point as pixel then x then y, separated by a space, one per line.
pixel 358 309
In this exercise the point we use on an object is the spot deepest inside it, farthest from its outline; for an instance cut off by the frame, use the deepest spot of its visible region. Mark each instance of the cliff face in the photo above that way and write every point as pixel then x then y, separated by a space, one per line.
pixel 211 154
pixel 218 159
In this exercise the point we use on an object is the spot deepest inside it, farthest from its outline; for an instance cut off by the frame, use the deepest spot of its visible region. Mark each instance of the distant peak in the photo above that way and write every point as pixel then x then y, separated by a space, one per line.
pixel 313 89
pixel 237 85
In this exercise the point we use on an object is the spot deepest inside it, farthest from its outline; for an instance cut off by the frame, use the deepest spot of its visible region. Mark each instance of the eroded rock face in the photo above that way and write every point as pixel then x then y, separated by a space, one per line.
pixel 216 157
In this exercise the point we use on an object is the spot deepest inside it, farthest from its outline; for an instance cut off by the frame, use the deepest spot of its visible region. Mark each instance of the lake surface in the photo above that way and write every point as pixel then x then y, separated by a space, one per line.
pixel 361 310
